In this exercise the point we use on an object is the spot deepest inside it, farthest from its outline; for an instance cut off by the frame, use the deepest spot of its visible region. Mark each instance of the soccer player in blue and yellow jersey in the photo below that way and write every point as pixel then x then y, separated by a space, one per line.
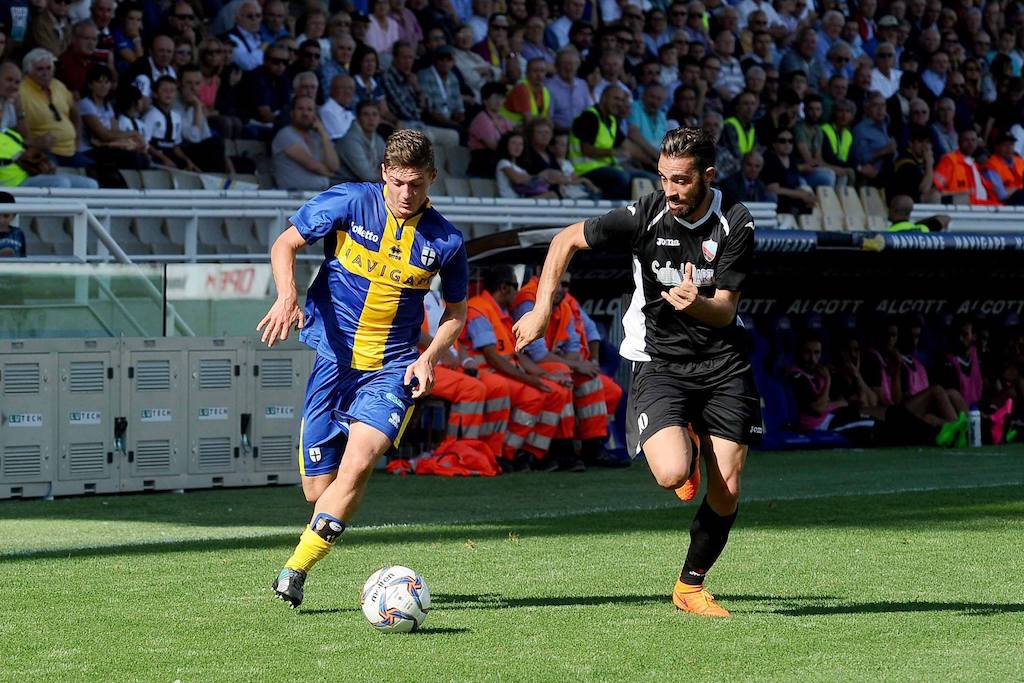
pixel 383 244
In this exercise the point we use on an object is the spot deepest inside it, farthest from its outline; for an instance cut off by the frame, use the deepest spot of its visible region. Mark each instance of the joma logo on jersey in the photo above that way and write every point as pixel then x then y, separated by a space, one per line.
pixel 365 234
pixel 380 269
pixel 666 242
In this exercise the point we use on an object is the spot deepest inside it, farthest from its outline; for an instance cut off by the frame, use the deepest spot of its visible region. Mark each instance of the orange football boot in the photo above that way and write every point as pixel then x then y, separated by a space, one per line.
pixel 688 491
pixel 698 600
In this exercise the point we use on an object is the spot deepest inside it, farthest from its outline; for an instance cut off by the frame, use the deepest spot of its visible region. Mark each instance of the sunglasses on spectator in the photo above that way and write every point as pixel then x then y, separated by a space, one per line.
pixel 253 15
pixel 311 55
pixel 784 141
pixel 275 61
pixel 633 16
pixel 885 54
pixel 185 17
pixel 680 14
pixel 63 2
pixel 183 51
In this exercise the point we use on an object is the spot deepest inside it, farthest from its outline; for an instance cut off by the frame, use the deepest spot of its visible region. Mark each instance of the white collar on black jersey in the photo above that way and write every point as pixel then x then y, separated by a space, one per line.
pixel 714 207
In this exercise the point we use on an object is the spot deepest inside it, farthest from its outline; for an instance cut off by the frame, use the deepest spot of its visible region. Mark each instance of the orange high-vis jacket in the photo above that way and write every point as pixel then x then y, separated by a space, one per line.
pixel 1013 178
pixel 561 316
pixel 954 174
pixel 484 305
pixel 577 322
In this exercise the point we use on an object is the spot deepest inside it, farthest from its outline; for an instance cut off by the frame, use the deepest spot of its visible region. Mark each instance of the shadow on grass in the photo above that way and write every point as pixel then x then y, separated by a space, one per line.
pixel 797 606
pixel 905 512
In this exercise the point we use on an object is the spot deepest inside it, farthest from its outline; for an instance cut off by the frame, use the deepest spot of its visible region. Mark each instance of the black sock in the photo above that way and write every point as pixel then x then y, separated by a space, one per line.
pixel 708 535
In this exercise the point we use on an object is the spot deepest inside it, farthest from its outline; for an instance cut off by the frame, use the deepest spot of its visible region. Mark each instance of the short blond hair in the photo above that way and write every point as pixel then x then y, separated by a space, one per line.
pixel 408 148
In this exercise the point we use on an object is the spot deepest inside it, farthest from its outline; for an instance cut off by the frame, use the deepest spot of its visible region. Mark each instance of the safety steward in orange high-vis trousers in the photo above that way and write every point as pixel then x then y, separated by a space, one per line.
pixel 480 403
pixel 541 394
pixel 595 396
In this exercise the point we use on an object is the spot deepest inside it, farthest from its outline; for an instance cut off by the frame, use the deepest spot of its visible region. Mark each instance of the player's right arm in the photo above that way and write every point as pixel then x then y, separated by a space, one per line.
pixel 325 213
pixel 615 230
pixel 532 325
pixel 286 310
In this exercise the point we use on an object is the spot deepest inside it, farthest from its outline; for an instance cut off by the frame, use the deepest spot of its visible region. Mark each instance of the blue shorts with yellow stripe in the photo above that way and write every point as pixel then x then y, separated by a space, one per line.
pixel 337 396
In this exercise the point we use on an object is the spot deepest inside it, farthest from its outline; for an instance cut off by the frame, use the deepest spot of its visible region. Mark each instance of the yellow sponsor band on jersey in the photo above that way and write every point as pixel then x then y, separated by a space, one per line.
pixel 389 273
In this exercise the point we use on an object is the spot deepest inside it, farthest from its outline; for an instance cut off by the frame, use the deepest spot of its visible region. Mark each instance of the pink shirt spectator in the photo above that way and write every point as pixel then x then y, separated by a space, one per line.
pixel 208 92
pixel 487 127
pixel 408 26
pixel 382 38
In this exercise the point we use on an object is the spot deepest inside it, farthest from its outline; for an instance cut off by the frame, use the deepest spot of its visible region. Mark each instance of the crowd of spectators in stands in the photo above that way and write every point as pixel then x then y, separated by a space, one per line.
pixel 918 96
pixel 907 381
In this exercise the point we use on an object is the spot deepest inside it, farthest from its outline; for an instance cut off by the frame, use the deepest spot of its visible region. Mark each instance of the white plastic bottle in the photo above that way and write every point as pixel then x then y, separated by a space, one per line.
pixel 974 428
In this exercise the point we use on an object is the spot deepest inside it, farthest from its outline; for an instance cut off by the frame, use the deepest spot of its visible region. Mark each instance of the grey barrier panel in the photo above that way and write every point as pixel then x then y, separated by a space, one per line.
pixel 216 394
pixel 154 400
pixel 87 412
pixel 28 419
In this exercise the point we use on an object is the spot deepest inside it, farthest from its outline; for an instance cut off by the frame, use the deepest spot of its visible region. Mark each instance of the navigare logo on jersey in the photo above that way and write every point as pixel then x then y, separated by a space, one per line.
pixel 428 256
pixel 666 242
pixel 709 248
pixel 364 233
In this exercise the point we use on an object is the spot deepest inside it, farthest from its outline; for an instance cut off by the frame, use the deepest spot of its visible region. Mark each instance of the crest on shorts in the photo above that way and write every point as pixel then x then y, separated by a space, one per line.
pixel 428 256
pixel 709 248
pixel 315 455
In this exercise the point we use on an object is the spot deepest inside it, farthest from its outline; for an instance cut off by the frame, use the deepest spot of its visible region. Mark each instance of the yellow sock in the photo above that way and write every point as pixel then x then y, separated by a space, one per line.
pixel 310 550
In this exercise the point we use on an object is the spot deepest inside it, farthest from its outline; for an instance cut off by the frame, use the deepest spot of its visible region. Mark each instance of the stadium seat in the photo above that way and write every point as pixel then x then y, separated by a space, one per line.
pixel 458 161
pixel 122 229
pixel 51 229
pixel 483 187
pixel 877 223
pixel 440 159
pixel 70 170
pixel 156 179
pixel 183 180
pixel 641 186
pixel 211 233
pixel 175 231
pixel 457 187
pixel 262 227
pixel 245 178
pixel 832 217
pixel 811 221
pixel 855 221
pixel 131 177
pixel 873 201
pixel 150 231
pixel 240 236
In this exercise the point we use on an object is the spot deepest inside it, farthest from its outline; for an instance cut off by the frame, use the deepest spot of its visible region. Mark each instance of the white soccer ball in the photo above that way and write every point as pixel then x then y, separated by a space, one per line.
pixel 395 599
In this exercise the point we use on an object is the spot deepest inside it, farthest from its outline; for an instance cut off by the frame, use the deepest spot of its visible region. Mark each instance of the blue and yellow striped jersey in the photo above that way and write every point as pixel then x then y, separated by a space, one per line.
pixel 365 306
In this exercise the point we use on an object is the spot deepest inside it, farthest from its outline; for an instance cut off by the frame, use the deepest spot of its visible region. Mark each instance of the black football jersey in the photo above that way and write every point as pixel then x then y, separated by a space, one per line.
pixel 720 245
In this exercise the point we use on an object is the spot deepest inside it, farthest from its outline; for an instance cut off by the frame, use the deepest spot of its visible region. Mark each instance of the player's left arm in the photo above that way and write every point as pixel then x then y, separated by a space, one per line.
pixel 454 291
pixel 734 263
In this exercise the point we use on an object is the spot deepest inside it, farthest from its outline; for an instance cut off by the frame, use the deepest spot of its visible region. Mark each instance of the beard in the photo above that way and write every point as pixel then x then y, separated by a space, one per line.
pixel 681 206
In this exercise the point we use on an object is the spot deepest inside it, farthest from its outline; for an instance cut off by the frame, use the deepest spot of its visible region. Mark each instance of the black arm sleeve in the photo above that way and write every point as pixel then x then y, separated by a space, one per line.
pixel 615 229
pixel 739 250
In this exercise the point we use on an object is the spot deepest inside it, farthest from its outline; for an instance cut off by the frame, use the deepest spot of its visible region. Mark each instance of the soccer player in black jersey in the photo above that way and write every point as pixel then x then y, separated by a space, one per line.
pixel 690 258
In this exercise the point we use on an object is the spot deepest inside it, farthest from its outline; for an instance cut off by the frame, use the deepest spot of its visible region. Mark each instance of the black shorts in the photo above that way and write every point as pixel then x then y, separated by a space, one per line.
pixel 717 396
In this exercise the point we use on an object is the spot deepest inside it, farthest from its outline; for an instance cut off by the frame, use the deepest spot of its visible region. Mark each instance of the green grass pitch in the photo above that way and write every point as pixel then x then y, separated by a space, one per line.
pixel 849 565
